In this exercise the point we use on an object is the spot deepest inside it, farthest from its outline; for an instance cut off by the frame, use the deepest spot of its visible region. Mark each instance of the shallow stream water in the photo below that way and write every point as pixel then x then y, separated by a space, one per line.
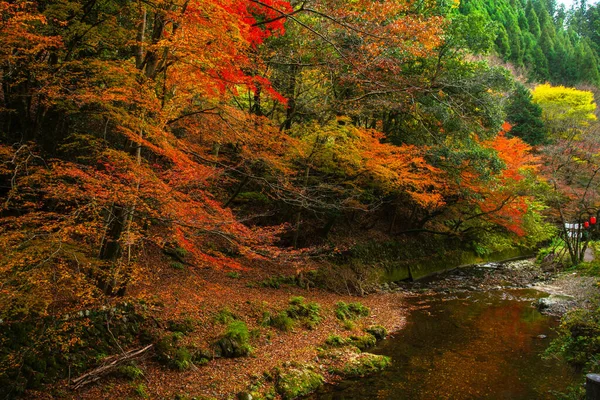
pixel 471 345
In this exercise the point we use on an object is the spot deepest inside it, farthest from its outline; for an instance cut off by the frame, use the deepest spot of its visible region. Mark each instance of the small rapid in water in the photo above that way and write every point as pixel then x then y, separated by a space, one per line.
pixel 466 345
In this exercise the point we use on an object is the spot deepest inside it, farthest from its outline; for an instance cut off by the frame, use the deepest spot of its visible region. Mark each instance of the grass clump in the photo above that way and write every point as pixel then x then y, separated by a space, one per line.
pixel 234 275
pixel 350 311
pixel 177 265
pixel 171 354
pixel 225 316
pixel 141 391
pixel 348 325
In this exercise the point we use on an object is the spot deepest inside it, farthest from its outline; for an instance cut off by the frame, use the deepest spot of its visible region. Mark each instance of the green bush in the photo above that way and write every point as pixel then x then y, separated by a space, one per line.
pixel 578 338
pixel 350 311
pixel 238 330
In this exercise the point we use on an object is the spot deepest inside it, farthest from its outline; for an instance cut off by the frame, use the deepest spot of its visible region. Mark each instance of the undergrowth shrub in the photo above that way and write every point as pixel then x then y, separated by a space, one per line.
pixel 350 311
pixel 578 342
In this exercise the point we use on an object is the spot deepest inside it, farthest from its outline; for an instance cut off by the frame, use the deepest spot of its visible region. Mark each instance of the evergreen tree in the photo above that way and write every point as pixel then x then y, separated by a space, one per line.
pixel 525 116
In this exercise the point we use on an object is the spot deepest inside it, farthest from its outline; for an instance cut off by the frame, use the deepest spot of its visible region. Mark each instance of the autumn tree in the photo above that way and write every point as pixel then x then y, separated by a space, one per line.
pixel 570 161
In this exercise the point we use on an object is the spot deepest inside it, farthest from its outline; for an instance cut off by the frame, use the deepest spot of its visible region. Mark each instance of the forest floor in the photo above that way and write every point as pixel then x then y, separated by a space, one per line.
pixel 201 295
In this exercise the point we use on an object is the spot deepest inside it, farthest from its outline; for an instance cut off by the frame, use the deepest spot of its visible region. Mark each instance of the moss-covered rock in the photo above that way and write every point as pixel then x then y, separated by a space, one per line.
pixel 234 342
pixel 363 364
pixel 297 381
pixel 363 342
pixel 378 331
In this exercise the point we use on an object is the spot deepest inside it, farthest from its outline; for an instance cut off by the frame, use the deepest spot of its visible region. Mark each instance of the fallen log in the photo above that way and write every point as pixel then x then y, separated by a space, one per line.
pixel 108 366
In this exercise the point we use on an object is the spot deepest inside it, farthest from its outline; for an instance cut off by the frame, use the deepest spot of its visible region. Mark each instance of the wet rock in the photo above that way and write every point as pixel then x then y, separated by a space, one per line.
pixel 378 331
pixel 555 304
pixel 541 336
pixel 244 396
pixel 230 348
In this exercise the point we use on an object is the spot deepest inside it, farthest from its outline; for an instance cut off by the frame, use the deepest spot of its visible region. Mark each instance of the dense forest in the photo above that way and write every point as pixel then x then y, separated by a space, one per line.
pixel 343 137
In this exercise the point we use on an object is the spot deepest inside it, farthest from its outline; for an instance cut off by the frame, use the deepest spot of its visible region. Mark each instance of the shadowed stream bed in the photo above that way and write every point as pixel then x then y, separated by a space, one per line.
pixel 470 345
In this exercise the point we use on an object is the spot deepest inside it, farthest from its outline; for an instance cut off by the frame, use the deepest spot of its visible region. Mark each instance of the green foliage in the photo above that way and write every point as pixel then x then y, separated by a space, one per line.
pixel 169 352
pixel 348 325
pixel 536 36
pixel 177 265
pixel 235 340
pixel 308 313
pixel 350 311
pixel 238 330
pixel 131 372
pixel 234 275
pixel 525 116
pixel 141 390
pixel 578 338
pixel 282 322
pixel 225 316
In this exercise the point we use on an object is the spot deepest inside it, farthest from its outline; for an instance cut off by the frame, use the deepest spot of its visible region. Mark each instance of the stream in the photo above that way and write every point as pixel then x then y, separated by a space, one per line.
pixel 466 345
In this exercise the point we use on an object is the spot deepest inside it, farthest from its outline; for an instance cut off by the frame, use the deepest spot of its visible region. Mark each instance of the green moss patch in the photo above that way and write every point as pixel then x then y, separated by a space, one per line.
pixel 363 364
pixel 297 381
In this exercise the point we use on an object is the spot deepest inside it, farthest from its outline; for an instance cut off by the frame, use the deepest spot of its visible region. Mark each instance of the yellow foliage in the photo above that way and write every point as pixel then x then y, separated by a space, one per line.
pixel 563 104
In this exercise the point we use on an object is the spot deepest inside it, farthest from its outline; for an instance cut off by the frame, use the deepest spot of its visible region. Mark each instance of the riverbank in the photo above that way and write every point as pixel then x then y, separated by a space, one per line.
pixel 566 290
pixel 207 301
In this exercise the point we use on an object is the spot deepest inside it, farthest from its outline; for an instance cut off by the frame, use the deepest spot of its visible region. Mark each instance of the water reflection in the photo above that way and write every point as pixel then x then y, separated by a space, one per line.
pixel 472 346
